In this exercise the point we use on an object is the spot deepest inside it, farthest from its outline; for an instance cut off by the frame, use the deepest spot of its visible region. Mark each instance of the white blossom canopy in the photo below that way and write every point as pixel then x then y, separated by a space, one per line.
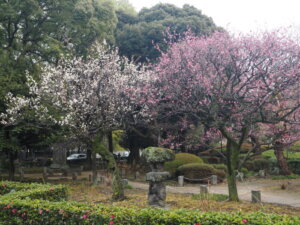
pixel 90 94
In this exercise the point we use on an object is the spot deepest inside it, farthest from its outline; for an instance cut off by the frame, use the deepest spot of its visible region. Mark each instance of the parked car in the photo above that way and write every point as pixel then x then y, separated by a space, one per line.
pixel 121 155
pixel 75 157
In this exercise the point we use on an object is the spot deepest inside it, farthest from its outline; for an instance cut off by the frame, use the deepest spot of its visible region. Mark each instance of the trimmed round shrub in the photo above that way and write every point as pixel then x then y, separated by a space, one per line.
pixel 261 164
pixel 157 154
pixel 244 170
pixel 181 159
pixel 213 159
pixel 196 170
pixel 222 167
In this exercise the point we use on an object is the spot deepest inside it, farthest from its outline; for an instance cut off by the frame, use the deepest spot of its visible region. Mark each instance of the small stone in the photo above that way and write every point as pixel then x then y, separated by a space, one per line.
pixel 124 181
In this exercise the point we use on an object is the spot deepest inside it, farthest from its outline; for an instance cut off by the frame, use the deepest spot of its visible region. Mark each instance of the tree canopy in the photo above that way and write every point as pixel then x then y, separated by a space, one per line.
pixel 137 35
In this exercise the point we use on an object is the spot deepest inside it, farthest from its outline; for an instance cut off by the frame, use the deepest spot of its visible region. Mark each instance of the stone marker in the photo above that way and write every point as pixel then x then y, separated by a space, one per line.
pixel 255 196
pixel 156 157
pixel 124 182
pixel 214 179
pixel 180 181
pixel 203 189
pixel 262 173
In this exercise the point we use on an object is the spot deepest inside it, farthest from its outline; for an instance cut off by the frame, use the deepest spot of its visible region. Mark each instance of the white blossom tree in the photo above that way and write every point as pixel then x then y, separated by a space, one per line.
pixel 90 96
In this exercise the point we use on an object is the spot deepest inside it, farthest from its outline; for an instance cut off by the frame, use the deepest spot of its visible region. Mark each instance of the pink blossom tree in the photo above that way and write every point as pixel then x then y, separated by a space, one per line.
pixel 229 83
pixel 89 96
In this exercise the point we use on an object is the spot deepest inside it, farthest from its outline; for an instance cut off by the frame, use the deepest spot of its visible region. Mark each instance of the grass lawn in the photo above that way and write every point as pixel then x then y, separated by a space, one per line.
pixel 289 154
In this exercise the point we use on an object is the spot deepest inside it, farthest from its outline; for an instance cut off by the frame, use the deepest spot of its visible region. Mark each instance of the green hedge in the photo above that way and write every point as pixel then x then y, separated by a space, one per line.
pixel 294 166
pixel 220 167
pixel 16 208
pixel 200 171
pixel 181 159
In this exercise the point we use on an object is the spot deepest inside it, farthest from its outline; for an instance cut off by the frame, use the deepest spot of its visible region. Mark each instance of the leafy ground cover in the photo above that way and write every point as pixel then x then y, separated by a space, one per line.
pixel 35 204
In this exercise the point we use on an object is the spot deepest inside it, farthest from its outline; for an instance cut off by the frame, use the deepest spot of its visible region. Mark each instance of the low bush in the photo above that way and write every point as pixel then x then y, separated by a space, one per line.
pixel 35 204
pixel 261 164
pixel 220 167
pixel 211 159
pixel 196 170
pixel 181 159
pixel 245 171
pixel 294 166
pixel 296 146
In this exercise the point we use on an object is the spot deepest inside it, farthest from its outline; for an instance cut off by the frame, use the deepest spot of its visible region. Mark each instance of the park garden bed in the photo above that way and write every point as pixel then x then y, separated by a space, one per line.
pixel 22 203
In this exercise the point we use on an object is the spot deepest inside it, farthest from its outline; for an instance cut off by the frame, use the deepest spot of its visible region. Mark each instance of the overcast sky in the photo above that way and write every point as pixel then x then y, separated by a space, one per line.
pixel 241 15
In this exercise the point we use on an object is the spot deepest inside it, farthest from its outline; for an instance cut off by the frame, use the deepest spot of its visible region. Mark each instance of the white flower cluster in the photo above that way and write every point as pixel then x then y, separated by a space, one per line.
pixel 90 94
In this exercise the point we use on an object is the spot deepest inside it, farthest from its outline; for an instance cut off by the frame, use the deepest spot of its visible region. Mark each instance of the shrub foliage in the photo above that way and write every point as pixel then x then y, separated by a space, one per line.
pixel 181 159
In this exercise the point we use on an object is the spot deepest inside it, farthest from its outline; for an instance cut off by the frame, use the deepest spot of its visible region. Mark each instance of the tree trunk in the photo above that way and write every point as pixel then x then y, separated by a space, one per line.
pixel 110 141
pixel 117 186
pixel 284 169
pixel 134 156
pixel 232 165
pixel 256 142
pixel 89 158
pixel 11 167
pixel 94 166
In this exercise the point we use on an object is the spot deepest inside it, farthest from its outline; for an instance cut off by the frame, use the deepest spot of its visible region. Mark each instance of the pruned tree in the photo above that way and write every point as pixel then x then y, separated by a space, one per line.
pixel 230 83
pixel 88 96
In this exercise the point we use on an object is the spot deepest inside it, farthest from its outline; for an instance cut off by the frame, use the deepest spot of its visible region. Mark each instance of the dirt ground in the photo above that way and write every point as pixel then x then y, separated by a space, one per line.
pixel 271 191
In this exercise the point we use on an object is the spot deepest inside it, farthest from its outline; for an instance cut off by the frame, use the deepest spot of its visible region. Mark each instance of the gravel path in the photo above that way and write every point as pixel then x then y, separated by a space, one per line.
pixel 270 191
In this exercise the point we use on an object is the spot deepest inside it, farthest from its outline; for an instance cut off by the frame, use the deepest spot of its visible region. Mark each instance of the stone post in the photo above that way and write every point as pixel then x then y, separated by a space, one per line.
pixel 262 173
pixel 203 189
pixel 214 179
pixel 180 181
pixel 255 196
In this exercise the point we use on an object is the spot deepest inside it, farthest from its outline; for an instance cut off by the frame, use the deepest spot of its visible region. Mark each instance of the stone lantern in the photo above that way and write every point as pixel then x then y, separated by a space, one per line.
pixel 156 157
